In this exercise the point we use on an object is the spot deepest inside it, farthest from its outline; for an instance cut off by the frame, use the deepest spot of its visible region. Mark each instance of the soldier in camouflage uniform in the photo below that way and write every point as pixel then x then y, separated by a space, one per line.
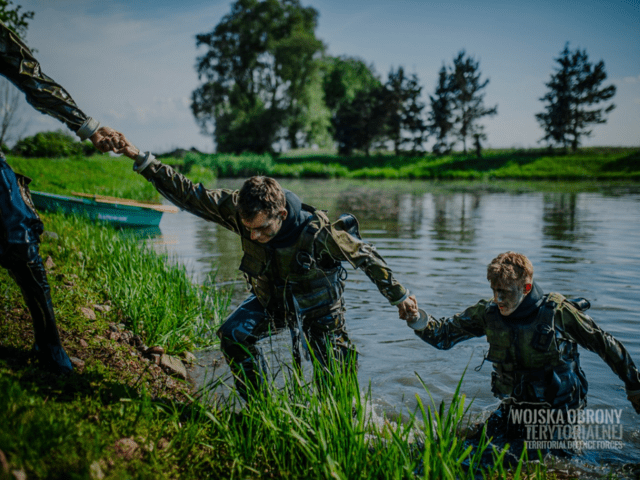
pixel 20 226
pixel 292 261
pixel 533 343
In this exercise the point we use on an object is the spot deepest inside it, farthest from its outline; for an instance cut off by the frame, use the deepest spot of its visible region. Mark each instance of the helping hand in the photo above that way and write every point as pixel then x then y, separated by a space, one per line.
pixel 107 139
pixel 408 308
pixel 635 401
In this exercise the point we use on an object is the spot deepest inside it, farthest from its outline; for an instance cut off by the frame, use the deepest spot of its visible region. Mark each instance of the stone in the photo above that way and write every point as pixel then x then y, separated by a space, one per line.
pixel 95 471
pixel 49 264
pixel 87 312
pixel 127 448
pixel 189 357
pixel 79 364
pixel 83 343
pixel 158 350
pixel 173 366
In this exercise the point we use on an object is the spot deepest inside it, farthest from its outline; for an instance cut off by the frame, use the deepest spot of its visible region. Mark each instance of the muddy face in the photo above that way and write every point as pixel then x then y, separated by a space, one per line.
pixel 508 297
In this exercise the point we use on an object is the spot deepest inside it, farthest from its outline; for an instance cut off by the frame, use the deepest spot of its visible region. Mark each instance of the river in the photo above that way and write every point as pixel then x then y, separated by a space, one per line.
pixel 438 239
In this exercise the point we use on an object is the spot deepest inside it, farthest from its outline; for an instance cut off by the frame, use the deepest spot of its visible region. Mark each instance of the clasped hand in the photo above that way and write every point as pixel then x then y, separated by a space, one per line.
pixel 408 308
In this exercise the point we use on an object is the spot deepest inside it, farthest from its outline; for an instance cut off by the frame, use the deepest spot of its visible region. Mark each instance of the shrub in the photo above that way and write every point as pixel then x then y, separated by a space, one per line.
pixel 52 144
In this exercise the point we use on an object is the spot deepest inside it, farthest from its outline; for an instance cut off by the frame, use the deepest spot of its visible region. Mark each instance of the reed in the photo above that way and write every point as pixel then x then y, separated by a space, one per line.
pixel 153 293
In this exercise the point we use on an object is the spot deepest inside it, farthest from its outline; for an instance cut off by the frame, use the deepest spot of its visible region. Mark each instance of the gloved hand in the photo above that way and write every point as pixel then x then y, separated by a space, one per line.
pixel 635 401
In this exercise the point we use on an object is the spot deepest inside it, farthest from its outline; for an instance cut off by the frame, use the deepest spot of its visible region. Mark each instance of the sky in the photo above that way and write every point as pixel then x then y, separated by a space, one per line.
pixel 131 65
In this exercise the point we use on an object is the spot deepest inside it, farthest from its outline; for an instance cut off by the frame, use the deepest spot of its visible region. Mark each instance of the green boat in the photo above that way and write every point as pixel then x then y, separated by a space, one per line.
pixel 117 211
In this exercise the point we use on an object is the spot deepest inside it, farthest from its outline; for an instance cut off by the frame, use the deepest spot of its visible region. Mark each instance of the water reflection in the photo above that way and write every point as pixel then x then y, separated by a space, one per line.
pixel 438 244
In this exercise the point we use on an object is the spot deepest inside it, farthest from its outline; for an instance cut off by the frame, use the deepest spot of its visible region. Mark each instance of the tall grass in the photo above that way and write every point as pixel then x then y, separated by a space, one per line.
pixel 298 431
pixel 154 294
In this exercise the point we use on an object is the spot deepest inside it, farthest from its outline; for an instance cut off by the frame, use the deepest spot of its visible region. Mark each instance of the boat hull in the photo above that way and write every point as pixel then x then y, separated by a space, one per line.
pixel 119 215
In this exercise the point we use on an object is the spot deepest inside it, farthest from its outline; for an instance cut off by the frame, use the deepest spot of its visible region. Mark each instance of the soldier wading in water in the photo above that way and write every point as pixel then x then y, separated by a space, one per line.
pixel 292 261
pixel 533 345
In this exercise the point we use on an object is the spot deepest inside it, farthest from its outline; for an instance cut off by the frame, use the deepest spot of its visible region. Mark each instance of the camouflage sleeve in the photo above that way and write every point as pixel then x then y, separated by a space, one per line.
pixel 582 329
pixel 217 205
pixel 343 246
pixel 446 332
pixel 19 66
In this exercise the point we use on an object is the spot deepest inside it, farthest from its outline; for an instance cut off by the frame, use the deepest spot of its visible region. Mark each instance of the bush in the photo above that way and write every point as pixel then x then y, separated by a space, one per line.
pixel 52 144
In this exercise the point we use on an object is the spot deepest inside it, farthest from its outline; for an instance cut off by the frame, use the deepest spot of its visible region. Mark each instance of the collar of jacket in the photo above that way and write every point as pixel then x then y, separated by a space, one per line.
pixel 296 220
pixel 529 307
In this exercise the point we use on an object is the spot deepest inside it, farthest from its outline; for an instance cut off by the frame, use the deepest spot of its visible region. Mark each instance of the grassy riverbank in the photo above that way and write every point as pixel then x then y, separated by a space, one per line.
pixel 100 174
pixel 120 416
pixel 539 164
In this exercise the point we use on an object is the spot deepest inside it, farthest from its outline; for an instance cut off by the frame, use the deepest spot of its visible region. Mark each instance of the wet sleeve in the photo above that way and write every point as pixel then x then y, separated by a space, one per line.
pixel 345 247
pixel 582 329
pixel 214 205
pixel 446 332
pixel 19 66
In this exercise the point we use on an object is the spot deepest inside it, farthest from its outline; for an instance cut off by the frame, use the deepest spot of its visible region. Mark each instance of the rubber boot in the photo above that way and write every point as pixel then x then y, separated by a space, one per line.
pixel 26 267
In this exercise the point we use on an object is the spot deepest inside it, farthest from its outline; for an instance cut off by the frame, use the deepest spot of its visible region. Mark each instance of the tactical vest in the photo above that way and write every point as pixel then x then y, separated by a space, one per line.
pixel 293 279
pixel 533 361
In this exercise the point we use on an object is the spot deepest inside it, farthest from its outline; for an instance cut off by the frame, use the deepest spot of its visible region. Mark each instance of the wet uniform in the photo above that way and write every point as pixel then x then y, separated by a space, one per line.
pixel 296 279
pixel 534 351
pixel 20 226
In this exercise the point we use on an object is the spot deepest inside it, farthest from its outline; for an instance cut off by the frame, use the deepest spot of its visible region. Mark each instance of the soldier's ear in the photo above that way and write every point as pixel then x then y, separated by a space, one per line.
pixel 527 288
pixel 283 214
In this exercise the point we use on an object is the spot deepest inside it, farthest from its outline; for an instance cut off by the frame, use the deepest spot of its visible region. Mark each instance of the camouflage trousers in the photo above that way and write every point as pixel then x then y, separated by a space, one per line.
pixel 326 337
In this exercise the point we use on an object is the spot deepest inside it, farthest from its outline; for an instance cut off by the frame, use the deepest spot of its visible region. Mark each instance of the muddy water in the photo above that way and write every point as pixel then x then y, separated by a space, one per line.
pixel 583 241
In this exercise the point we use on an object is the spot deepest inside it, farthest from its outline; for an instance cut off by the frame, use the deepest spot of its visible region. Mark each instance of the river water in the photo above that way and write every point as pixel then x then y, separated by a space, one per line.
pixel 583 241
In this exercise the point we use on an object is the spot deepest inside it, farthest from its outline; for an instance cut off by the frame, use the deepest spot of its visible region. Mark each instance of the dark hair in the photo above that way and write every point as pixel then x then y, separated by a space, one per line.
pixel 510 267
pixel 260 194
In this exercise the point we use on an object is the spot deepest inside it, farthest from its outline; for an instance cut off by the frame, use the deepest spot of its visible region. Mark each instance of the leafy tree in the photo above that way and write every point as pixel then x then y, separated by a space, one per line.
pixel 574 87
pixel 468 98
pixel 259 57
pixel 11 99
pixel 362 122
pixel 344 77
pixel 405 123
pixel 440 120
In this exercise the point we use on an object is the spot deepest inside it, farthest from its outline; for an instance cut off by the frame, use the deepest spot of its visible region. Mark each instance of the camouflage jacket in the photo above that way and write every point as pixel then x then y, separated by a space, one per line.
pixel 571 325
pixel 221 206
pixel 19 66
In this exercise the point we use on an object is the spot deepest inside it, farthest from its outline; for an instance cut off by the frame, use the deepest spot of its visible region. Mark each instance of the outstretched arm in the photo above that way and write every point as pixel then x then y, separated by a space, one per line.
pixel 446 332
pixel 19 66
pixel 215 205
pixel 582 329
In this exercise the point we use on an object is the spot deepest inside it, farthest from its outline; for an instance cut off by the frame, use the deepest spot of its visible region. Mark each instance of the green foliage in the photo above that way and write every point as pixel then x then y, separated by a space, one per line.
pixel 52 145
pixel 573 88
pixel 344 77
pixel 14 19
pixel 224 165
pixel 468 99
pixel 156 296
pixel 440 120
pixel 405 124
pixel 255 73
pixel 100 174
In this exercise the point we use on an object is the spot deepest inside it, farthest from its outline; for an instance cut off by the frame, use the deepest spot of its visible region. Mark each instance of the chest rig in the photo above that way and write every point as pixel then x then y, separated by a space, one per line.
pixel 533 361
pixel 295 279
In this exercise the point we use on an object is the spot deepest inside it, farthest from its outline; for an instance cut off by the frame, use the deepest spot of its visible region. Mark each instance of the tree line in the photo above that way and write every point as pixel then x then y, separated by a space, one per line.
pixel 268 83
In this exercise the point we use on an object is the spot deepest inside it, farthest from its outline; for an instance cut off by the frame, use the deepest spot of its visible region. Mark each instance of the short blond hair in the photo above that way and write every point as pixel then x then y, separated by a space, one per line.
pixel 510 267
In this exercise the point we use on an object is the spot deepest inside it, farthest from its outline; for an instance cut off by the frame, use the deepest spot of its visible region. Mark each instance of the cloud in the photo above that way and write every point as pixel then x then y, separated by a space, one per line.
pixel 631 79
